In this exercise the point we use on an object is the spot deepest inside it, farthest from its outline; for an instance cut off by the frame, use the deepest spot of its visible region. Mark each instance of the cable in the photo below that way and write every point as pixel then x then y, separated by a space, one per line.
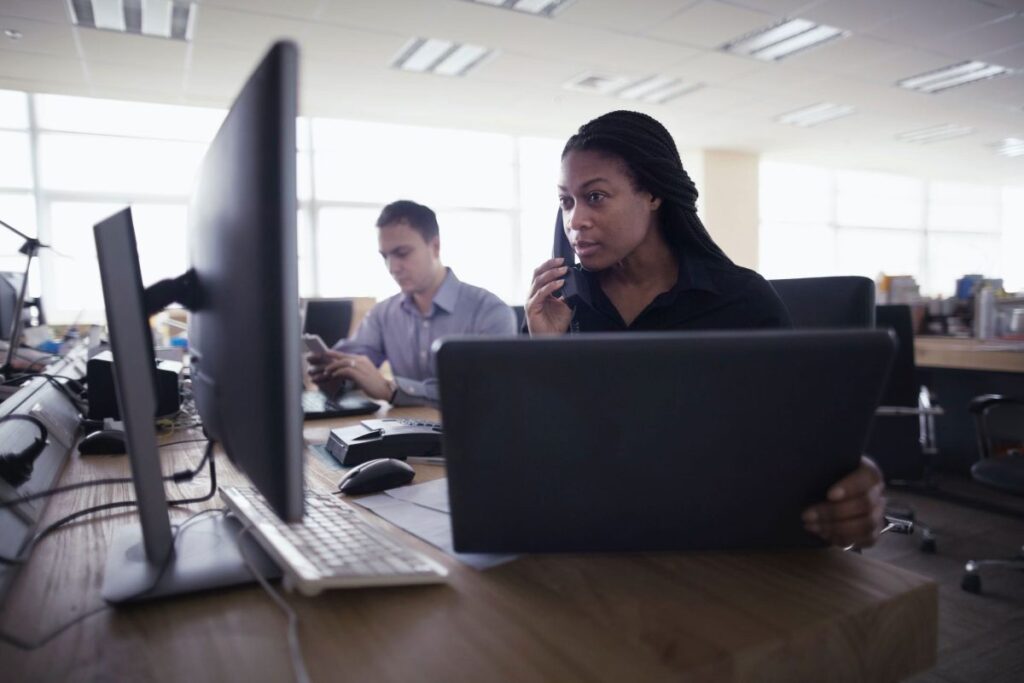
pixel 179 476
pixel 294 647
pixel 23 556
pixel 26 645
pixel 52 379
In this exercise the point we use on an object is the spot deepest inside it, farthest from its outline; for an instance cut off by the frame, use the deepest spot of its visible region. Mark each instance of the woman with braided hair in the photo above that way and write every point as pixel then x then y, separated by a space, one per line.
pixel 647 263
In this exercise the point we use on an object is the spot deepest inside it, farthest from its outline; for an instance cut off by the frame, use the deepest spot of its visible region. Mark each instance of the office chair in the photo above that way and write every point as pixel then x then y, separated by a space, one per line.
pixel 520 312
pixel 999 422
pixel 840 301
pixel 843 301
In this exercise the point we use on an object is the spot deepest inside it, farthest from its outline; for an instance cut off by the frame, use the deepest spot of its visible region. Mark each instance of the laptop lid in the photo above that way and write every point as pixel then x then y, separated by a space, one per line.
pixel 641 442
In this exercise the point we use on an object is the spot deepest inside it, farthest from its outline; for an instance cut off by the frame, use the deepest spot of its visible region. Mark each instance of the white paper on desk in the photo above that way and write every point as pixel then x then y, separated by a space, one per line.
pixel 423 511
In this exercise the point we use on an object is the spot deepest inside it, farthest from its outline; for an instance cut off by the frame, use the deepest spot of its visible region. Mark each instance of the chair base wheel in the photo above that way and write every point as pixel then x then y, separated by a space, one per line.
pixel 971 583
pixel 929 546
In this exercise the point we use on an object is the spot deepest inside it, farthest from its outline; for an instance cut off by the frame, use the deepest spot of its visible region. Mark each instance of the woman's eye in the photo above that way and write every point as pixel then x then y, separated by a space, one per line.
pixel 565 202
pixel 594 197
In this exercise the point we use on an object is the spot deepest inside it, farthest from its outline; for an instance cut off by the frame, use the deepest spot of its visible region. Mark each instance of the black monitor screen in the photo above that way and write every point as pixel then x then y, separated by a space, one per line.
pixel 10 283
pixel 244 339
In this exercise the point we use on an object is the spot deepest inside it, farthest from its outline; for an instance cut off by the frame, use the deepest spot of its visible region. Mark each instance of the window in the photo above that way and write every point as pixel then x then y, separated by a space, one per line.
pixel 818 221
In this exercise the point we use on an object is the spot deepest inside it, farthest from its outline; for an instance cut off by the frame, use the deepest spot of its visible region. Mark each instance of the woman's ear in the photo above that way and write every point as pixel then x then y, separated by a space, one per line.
pixel 655 203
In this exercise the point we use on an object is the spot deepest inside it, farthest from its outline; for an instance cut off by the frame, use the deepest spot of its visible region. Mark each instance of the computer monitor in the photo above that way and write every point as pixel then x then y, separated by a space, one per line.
pixel 329 318
pixel 10 284
pixel 242 290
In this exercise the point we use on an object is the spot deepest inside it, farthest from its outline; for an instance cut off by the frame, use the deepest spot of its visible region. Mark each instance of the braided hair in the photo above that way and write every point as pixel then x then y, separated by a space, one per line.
pixel 652 160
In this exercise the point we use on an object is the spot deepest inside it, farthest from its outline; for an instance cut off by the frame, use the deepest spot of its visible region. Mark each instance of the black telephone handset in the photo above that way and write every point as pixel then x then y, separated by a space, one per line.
pixel 574 284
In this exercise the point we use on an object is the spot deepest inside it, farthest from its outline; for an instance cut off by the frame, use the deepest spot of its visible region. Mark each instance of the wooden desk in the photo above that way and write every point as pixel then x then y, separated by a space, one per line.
pixel 808 615
pixel 969 354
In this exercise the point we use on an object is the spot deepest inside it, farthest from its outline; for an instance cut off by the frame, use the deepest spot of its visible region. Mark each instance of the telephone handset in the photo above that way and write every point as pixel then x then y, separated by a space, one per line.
pixel 574 283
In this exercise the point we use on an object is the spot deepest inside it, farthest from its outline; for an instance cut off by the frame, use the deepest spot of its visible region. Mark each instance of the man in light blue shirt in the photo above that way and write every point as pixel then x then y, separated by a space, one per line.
pixel 401 329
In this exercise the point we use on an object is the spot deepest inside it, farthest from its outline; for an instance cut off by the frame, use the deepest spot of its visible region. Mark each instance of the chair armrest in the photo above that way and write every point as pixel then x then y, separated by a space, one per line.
pixel 897 411
pixel 979 404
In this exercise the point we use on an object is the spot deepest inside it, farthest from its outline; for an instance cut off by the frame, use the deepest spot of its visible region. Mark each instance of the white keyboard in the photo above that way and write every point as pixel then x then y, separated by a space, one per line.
pixel 332 547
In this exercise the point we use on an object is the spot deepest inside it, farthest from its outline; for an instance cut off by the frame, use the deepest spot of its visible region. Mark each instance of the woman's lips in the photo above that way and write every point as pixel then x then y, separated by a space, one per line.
pixel 584 248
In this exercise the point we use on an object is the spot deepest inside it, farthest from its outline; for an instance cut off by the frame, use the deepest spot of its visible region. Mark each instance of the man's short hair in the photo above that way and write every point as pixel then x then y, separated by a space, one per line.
pixel 420 218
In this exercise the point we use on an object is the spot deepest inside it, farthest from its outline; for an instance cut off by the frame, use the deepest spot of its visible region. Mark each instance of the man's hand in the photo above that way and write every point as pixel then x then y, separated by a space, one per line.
pixel 853 511
pixel 341 366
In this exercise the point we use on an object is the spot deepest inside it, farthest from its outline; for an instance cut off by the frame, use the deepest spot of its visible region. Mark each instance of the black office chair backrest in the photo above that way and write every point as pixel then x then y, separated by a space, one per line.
pixel 329 318
pixel 903 386
pixel 838 301
pixel 520 312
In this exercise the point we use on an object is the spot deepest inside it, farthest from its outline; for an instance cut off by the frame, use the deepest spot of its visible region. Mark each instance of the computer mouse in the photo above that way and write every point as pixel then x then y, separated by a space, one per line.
pixel 376 475
pixel 103 442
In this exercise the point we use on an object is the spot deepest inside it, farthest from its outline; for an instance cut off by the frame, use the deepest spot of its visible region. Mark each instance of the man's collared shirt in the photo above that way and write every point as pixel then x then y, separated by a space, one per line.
pixel 396 331
pixel 707 295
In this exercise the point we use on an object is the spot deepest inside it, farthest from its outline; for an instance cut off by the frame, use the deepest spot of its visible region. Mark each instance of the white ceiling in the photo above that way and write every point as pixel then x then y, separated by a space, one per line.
pixel 348 44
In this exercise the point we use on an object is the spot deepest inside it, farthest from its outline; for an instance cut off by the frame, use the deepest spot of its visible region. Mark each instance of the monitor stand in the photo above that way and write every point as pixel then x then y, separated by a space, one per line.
pixel 205 555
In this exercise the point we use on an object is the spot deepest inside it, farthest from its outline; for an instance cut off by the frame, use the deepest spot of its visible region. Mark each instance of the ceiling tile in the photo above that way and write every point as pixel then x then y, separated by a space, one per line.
pixel 40 37
pixel 999 35
pixel 131 77
pixel 300 9
pixel 711 24
pixel 228 28
pixel 858 16
pixel 325 42
pixel 782 8
pixel 620 16
pixel 717 67
pixel 929 22
pixel 110 46
pixel 29 67
pixel 1012 58
pixel 53 11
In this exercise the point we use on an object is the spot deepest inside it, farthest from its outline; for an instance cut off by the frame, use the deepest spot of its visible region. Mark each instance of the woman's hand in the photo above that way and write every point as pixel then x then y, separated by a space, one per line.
pixel 854 509
pixel 546 315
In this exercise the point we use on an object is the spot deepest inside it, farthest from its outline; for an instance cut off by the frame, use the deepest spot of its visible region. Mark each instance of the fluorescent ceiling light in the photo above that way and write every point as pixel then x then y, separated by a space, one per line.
pixel 935 133
pixel 653 89
pixel 157 18
pixel 784 39
pixel 815 114
pixel 1010 147
pixel 442 57
pixel 951 76
pixel 544 8
pixel 601 84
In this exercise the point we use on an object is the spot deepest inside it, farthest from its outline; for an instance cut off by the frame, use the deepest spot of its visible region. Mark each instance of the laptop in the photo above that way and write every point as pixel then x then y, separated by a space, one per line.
pixel 652 442
pixel 317 405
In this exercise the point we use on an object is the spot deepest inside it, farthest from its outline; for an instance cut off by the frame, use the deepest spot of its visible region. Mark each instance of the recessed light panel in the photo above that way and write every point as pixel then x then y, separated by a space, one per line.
pixel 946 131
pixel 816 114
pixel 543 8
pixel 952 76
pixel 441 57
pixel 157 18
pixel 784 39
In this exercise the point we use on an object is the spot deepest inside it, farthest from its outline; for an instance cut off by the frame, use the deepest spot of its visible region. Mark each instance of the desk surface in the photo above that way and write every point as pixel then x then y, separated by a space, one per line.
pixel 969 354
pixel 807 615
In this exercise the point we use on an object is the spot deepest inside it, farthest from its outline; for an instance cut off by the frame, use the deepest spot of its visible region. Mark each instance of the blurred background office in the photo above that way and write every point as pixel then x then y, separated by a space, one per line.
pixel 826 136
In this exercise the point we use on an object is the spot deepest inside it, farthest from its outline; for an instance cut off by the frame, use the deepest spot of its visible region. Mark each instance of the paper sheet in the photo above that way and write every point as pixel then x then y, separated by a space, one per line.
pixel 423 511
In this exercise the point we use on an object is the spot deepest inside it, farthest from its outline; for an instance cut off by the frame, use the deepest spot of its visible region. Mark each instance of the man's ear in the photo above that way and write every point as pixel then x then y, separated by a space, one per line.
pixel 435 245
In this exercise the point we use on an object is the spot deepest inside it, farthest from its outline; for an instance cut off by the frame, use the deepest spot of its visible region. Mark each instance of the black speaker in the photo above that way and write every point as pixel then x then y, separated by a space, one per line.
pixel 103 397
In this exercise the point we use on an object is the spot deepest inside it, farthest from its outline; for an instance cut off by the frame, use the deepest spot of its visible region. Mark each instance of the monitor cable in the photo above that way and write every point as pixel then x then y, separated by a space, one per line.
pixel 294 646
pixel 26 645
pixel 24 554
